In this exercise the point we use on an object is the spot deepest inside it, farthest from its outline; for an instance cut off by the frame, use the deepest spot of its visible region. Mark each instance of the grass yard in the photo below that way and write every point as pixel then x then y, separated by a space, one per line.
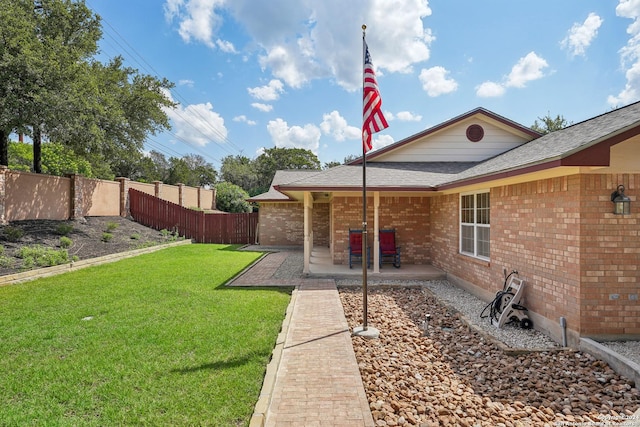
pixel 152 340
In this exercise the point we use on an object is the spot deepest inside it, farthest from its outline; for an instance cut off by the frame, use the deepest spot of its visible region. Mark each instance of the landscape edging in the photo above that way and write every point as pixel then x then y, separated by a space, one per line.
pixel 25 276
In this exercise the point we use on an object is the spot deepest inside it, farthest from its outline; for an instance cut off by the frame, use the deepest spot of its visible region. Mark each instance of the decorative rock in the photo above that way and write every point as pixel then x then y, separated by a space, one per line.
pixel 459 377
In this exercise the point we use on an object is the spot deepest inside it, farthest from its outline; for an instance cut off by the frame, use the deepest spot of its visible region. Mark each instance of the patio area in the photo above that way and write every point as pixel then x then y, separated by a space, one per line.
pixel 321 265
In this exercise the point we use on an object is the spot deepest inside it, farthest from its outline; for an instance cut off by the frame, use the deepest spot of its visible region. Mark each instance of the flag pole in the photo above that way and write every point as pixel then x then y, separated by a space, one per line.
pixel 364 330
pixel 364 206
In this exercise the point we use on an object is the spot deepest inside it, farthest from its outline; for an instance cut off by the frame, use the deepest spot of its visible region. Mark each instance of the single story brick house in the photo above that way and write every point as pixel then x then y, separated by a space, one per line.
pixel 480 193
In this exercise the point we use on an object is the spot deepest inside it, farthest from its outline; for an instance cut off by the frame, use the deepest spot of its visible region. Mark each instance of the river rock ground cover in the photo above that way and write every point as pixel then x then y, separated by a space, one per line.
pixel 458 376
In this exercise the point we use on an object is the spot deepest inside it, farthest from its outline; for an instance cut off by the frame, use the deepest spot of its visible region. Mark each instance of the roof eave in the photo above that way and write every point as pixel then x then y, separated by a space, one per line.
pixel 335 189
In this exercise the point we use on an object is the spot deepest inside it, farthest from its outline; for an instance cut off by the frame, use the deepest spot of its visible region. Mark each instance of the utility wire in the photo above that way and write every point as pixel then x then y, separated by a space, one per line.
pixel 148 67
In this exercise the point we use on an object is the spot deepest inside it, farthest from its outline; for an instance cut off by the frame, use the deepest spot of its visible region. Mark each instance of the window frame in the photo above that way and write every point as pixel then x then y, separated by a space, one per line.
pixel 480 209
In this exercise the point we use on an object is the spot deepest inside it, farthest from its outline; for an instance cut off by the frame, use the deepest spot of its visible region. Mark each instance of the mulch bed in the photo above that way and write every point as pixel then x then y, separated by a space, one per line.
pixel 87 236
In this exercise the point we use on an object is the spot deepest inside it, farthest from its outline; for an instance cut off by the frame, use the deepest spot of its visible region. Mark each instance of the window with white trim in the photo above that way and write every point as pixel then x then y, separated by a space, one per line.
pixel 475 232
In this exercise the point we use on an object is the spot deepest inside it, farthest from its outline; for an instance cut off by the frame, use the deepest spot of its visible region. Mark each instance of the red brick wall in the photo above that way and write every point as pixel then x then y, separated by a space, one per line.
pixel 578 259
pixel 281 224
pixel 408 215
pixel 347 214
pixel 610 252
pixel 535 230
pixel 321 224
pixel 445 235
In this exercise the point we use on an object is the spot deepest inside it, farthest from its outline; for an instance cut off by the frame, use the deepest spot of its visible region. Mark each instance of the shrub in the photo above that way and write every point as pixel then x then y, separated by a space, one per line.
pixel 106 237
pixel 171 236
pixel 65 242
pixel 6 262
pixel 39 256
pixel 111 226
pixel 64 229
pixel 135 236
pixel 13 234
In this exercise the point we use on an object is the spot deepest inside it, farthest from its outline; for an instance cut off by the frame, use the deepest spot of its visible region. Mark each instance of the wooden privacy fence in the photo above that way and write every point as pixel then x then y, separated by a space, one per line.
pixel 229 228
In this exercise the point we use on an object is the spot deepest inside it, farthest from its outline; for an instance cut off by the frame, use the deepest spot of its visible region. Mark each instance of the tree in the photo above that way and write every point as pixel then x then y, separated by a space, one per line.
pixel 330 165
pixel 274 159
pixel 202 172
pixel 57 159
pixel 191 170
pixel 50 87
pixel 550 124
pixel 231 198
pixel 178 171
pixel 44 46
pixel 241 171
pixel 113 112
pixel 349 158
pixel 154 167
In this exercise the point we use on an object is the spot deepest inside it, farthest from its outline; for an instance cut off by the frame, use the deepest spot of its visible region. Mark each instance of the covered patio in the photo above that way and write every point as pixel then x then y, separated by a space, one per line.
pixel 321 265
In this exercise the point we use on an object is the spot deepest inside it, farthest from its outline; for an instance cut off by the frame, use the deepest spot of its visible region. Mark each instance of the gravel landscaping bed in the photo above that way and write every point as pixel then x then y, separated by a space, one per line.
pixel 457 375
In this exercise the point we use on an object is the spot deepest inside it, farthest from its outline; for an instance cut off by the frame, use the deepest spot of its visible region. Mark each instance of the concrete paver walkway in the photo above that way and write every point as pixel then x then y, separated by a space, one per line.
pixel 313 379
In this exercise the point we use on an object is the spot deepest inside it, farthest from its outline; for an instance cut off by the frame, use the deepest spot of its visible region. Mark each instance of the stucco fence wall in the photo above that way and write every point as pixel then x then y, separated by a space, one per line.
pixel 25 196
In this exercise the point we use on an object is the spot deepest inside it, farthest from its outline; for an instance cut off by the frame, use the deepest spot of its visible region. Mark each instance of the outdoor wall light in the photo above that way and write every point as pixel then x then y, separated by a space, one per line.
pixel 621 203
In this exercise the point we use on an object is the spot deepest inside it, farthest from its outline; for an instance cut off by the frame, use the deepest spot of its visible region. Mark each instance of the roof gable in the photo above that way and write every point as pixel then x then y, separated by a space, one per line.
pixel 471 137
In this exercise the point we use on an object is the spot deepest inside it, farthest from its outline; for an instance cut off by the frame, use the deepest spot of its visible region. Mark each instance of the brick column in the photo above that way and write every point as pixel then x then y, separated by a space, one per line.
pixel 213 199
pixel 3 195
pixel 77 197
pixel 181 195
pixel 158 188
pixel 124 197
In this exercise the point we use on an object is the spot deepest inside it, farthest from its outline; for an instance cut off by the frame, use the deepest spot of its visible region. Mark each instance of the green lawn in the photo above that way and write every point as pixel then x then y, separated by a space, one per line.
pixel 153 340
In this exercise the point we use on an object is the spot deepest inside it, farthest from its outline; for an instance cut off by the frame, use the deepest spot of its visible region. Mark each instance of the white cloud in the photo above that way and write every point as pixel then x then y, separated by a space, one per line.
pixel 198 21
pixel 262 107
pixel 407 116
pixel 335 125
pixel 225 46
pixel 243 119
pixel 197 124
pixel 302 40
pixel 580 36
pixel 435 82
pixel 629 55
pixel 490 90
pixel 381 141
pixel 527 69
pixel 186 82
pixel 290 65
pixel 283 136
pixel 269 92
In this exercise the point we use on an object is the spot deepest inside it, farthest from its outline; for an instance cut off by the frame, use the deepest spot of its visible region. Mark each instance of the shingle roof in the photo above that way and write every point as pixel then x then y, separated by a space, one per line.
pixel 425 176
pixel 405 175
pixel 282 177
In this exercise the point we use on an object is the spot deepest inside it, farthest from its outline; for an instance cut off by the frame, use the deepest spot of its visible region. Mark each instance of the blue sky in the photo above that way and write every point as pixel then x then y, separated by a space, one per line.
pixel 255 74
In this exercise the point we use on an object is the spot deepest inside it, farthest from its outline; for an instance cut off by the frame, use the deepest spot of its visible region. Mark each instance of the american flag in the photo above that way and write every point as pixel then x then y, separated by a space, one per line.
pixel 372 118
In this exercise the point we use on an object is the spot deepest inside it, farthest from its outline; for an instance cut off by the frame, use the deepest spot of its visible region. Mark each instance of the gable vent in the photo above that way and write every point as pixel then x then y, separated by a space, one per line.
pixel 475 133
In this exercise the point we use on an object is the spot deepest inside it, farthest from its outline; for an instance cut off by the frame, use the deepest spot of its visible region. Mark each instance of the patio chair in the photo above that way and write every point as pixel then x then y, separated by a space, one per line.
pixel 355 248
pixel 389 252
